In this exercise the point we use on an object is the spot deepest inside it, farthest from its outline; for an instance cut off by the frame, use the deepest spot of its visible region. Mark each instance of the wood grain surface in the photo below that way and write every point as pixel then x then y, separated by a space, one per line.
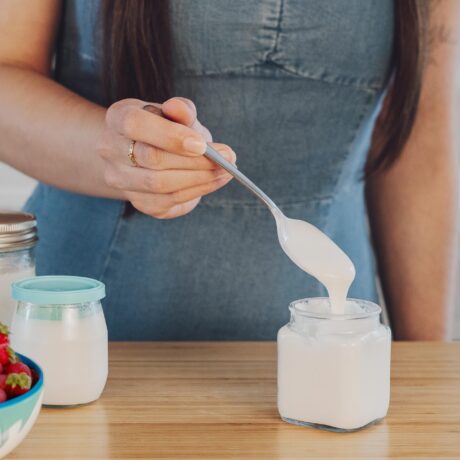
pixel 195 400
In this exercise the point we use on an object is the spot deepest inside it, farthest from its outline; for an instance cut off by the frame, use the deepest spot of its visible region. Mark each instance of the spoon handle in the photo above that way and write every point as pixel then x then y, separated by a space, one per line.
pixel 216 157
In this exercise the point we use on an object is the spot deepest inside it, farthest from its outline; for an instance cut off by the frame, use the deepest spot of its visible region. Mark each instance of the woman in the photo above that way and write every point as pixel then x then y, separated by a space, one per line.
pixel 295 87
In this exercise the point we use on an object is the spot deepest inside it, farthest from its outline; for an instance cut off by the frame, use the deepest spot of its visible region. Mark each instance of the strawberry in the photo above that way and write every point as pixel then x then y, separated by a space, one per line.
pixel 2 381
pixel 7 355
pixel 35 376
pixel 17 384
pixel 4 334
pixel 4 357
pixel 3 396
pixel 1 369
pixel 18 368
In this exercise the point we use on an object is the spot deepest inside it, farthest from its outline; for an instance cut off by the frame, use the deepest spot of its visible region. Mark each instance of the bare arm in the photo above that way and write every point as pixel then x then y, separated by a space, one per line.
pixel 41 122
pixel 413 206
pixel 62 139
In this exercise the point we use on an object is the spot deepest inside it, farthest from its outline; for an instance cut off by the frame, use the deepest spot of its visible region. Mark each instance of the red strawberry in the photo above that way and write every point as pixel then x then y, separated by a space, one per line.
pixel 17 384
pixel 1 369
pixel 2 381
pixel 18 368
pixel 4 357
pixel 34 376
pixel 4 334
pixel 7 355
pixel 3 396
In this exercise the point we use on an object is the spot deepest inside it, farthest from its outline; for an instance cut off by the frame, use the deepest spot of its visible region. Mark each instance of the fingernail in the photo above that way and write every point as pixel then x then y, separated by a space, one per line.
pixel 194 145
pixel 221 174
pixel 230 156
pixel 223 180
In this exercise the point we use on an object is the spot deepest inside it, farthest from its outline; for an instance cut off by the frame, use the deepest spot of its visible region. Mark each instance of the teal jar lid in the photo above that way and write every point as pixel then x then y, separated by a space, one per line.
pixel 55 290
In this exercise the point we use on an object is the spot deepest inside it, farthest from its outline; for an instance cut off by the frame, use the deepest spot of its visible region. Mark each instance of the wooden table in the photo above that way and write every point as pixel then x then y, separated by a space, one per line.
pixel 218 401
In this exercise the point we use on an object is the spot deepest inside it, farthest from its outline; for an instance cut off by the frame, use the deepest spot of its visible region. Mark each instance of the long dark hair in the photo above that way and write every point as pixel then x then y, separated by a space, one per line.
pixel 137 49
pixel 137 63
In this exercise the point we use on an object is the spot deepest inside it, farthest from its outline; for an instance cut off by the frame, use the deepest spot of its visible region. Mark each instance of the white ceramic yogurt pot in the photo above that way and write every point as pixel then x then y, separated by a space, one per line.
pixel 59 322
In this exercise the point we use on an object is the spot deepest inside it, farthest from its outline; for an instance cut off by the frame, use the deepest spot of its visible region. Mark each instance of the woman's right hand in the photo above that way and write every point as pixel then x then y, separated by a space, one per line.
pixel 172 174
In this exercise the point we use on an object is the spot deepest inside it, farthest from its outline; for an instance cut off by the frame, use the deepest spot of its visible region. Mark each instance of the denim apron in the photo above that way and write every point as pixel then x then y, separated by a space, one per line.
pixel 294 87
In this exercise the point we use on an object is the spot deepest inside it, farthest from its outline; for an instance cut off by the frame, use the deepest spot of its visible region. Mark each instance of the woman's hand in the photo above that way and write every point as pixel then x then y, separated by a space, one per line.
pixel 172 174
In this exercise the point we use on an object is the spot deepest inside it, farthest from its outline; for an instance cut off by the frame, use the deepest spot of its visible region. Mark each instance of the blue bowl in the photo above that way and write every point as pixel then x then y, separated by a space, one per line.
pixel 18 415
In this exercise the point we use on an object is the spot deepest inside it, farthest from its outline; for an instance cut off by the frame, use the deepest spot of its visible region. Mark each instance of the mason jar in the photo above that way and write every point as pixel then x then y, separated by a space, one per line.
pixel 18 236
pixel 334 369
pixel 60 324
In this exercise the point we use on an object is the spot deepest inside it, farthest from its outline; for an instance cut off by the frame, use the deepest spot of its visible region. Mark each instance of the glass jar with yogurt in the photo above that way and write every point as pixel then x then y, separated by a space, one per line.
pixel 60 324
pixel 334 369
pixel 18 236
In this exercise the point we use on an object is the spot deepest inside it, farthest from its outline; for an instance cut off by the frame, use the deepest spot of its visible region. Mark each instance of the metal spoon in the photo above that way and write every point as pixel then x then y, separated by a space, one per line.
pixel 307 246
pixel 216 157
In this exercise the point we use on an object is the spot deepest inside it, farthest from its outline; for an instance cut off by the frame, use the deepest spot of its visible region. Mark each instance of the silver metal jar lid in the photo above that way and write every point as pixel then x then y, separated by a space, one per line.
pixel 18 230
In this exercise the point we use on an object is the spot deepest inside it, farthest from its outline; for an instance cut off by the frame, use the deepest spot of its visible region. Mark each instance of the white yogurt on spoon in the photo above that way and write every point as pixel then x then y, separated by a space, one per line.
pixel 307 246
pixel 314 252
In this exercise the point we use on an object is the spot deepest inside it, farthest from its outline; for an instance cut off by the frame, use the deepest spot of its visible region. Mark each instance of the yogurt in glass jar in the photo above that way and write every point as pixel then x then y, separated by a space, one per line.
pixel 334 369
pixel 18 237
pixel 59 323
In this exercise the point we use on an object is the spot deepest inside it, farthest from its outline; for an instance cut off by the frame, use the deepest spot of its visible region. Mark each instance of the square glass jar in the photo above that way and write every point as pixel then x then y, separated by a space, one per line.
pixel 334 370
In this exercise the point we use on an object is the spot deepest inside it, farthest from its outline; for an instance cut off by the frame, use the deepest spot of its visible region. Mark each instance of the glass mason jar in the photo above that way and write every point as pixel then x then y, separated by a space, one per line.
pixel 334 370
pixel 18 236
pixel 60 324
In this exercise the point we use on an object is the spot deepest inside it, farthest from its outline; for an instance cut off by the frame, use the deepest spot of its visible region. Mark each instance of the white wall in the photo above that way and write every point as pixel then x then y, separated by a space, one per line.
pixel 15 188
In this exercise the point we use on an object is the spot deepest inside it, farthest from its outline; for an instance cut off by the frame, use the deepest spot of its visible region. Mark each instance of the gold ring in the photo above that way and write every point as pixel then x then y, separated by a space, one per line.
pixel 131 155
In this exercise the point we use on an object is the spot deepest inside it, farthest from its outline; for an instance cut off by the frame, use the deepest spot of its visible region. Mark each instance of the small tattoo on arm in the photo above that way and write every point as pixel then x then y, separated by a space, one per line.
pixel 437 34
